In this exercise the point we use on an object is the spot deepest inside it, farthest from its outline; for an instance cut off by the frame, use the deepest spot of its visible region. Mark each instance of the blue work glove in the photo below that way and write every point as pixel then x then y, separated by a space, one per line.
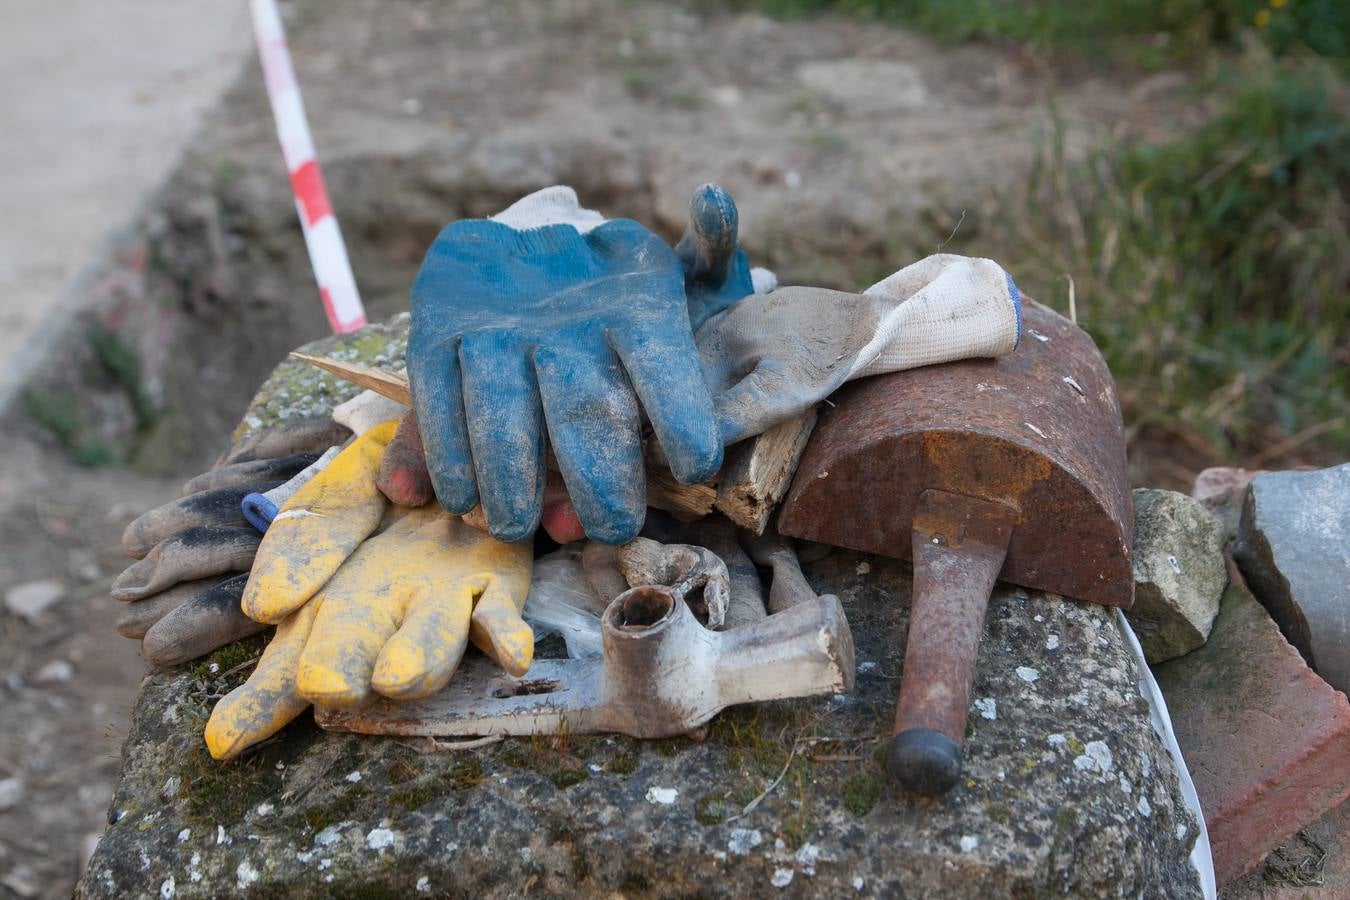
pixel 716 269
pixel 512 329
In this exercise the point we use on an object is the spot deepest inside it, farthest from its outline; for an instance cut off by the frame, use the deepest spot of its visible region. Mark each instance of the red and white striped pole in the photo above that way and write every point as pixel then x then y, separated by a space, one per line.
pixel 327 252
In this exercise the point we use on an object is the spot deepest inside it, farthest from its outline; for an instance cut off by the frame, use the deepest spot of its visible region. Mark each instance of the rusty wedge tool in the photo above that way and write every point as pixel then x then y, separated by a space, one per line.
pixel 661 674
pixel 1010 468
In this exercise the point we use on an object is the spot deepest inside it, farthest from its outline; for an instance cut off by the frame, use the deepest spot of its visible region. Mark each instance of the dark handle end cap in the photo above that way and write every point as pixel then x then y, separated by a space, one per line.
pixel 924 761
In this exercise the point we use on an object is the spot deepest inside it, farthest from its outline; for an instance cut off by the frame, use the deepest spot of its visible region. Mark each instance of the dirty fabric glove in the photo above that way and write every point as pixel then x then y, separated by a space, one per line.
pixel 303 436
pixel 394 619
pixel 773 356
pixel 515 329
pixel 716 271
pixel 182 594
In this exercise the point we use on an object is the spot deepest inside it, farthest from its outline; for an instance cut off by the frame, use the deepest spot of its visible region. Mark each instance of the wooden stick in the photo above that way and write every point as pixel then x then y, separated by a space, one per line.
pixel 393 385
pixel 757 473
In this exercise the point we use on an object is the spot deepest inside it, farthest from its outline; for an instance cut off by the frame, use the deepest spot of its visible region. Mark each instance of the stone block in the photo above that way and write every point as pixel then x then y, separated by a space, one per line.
pixel 1067 789
pixel 1267 741
pixel 1293 546
pixel 1179 573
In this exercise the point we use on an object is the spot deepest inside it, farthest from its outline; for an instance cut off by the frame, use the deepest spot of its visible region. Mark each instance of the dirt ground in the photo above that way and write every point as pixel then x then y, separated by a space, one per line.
pixel 425 112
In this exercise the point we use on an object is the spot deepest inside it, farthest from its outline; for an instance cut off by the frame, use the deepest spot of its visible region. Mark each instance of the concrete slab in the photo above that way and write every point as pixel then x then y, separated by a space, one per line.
pixel 100 100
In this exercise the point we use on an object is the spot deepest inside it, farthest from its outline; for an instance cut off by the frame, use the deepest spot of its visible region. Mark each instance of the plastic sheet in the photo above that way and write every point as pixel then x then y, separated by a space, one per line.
pixel 560 602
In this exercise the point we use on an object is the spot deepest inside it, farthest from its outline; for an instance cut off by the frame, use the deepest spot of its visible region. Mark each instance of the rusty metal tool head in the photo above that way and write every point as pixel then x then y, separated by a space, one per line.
pixel 1010 468
pixel 661 673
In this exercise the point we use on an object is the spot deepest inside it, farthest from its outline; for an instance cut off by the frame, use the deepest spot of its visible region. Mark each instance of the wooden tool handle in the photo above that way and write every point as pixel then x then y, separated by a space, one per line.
pixel 959 546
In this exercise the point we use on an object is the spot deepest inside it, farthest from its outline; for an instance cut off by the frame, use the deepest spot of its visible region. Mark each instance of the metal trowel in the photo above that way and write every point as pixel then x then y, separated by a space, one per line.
pixel 1009 468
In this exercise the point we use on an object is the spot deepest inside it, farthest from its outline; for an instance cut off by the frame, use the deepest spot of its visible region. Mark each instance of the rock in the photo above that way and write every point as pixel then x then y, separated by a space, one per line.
pixel 1067 788
pixel 31 599
pixel 1266 740
pixel 11 792
pixel 1220 490
pixel 1179 573
pixel 58 671
pixel 1293 547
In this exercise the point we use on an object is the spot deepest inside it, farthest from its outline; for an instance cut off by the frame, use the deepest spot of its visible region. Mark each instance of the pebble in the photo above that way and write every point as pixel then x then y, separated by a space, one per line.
pixel 11 792
pixel 32 598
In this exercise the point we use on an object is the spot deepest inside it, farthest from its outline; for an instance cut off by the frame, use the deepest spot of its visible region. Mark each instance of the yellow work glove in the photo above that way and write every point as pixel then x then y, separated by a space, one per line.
pixel 389 614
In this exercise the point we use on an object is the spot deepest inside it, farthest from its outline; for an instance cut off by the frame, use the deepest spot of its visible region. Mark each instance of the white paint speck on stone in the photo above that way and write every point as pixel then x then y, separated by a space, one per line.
pixel 864 567
pixel 452 847
pixel 1145 809
pixel 167 889
pixel 1096 756
pixel 988 708
pixel 264 809
pixel 596 767
pixel 184 835
pixel 1052 642
pixel 1172 561
pixel 423 885
pixel 194 873
pixel 1181 831
pixel 354 777
pixel 807 857
pixel 866 666
pixel 662 796
pixel 858 883
pixel 329 836
pixel 719 855
pixel 222 837
pixel 969 842
pixel 1028 674
pixel 742 840
pixel 380 839
pixel 325 863
pixel 781 878
pixel 245 875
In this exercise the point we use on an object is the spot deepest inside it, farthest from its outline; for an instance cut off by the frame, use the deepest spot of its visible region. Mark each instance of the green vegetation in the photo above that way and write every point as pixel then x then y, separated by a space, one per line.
pixel 1213 267
pixel 66 413
pixel 1139 30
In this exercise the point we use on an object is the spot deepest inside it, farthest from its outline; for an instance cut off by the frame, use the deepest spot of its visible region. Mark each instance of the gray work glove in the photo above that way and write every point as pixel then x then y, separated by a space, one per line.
pixel 194 553
pixel 772 356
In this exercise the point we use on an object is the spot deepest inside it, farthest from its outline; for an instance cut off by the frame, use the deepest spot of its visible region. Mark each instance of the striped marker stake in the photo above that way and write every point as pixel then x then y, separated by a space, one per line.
pixel 327 252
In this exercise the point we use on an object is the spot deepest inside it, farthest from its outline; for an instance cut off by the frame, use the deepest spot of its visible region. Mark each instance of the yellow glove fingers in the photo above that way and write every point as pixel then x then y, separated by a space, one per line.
pixel 357 618
pixel 318 528
pixel 422 655
pixel 497 629
pixel 264 704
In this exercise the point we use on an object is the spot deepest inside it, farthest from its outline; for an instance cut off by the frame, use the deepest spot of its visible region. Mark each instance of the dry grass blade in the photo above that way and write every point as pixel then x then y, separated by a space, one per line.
pixel 393 385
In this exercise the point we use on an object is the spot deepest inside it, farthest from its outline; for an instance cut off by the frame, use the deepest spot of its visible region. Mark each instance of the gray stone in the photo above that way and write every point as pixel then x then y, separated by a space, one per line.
pixel 1293 547
pixel 1067 791
pixel 33 598
pixel 1179 573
